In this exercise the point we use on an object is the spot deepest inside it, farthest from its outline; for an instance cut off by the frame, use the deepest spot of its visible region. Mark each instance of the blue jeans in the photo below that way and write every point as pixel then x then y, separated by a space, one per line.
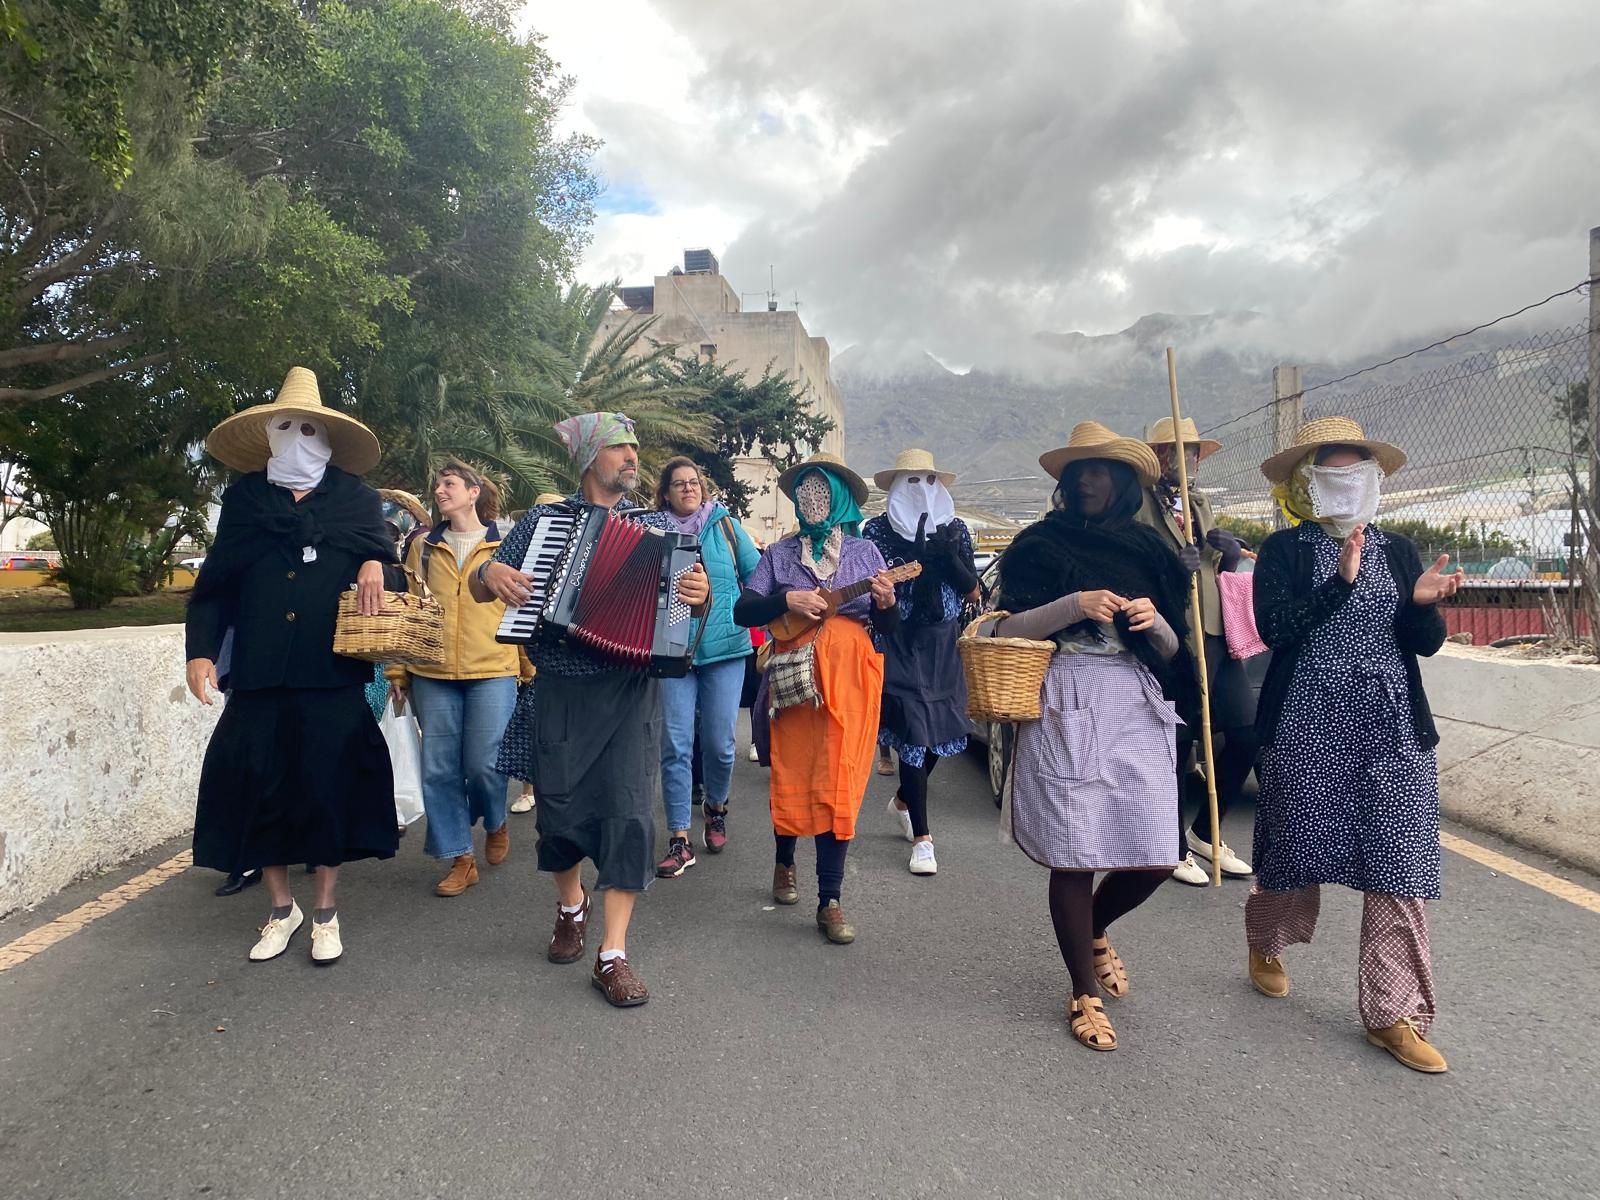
pixel 462 722
pixel 713 690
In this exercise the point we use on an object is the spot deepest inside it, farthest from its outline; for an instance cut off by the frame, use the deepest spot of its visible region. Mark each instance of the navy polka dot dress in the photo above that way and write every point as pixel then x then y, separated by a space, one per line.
pixel 1348 794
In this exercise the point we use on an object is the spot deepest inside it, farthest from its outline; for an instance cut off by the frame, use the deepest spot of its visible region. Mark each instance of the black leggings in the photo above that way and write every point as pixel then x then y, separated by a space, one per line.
pixel 830 863
pixel 1236 758
pixel 1081 912
pixel 914 791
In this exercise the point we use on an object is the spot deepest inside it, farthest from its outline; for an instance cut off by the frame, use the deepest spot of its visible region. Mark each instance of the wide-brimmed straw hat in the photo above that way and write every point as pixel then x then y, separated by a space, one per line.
pixel 409 502
pixel 241 440
pixel 1160 434
pixel 544 498
pixel 857 485
pixel 1090 439
pixel 1331 431
pixel 919 462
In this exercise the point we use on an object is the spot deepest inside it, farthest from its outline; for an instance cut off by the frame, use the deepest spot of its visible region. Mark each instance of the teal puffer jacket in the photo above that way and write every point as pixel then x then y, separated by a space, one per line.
pixel 723 639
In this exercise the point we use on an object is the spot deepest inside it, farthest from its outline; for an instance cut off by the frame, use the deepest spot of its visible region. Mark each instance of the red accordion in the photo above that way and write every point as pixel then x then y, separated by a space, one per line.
pixel 608 583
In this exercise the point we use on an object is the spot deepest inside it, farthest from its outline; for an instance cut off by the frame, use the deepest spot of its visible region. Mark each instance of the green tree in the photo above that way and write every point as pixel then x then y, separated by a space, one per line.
pixel 768 418
pixel 42 541
pixel 1572 410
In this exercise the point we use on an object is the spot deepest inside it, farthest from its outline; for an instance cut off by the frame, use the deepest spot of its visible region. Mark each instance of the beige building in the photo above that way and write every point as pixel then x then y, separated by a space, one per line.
pixel 699 312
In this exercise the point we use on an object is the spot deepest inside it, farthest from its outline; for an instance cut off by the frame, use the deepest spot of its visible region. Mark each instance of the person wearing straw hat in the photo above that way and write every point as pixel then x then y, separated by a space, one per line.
pixel 1205 551
pixel 592 745
pixel 1094 785
pixel 821 752
pixel 1349 778
pixel 297 770
pixel 924 716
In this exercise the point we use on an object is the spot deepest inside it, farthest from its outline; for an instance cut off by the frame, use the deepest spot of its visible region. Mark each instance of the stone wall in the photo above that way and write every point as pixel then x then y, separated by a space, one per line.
pixel 102 751
pixel 1519 751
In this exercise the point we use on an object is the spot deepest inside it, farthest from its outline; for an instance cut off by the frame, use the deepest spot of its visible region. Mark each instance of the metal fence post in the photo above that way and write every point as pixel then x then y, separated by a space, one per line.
pixel 1594 364
pixel 1288 412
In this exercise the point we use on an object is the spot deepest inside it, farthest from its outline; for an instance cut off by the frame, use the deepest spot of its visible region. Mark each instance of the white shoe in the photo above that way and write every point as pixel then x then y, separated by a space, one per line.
pixel 904 818
pixel 275 934
pixel 755 755
pixel 523 803
pixel 922 860
pixel 1190 872
pixel 1232 864
pixel 325 944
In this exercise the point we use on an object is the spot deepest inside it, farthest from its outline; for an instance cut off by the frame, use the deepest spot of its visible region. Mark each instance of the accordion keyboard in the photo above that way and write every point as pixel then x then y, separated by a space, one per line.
pixel 551 533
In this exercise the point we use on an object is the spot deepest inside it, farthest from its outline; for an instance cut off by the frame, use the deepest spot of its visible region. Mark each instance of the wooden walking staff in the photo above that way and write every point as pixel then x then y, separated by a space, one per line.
pixel 1196 623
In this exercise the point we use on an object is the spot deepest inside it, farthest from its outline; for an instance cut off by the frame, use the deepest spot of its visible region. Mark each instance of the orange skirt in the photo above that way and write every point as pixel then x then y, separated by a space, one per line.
pixel 822 757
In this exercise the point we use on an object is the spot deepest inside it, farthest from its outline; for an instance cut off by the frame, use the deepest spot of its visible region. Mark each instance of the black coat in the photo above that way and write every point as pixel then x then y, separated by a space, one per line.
pixel 1288 608
pixel 281 608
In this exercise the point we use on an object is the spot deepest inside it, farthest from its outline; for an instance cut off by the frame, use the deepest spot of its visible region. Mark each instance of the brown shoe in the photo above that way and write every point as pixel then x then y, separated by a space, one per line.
pixel 1269 975
pixel 463 874
pixel 616 981
pixel 566 943
pixel 1406 1043
pixel 497 845
pixel 830 919
pixel 783 888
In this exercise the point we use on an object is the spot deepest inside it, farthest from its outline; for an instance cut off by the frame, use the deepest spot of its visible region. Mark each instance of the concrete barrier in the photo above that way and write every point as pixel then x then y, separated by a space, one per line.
pixel 102 748
pixel 1519 755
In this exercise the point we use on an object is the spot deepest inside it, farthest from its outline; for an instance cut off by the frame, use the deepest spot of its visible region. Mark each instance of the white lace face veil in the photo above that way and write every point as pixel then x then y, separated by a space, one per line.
pixel 813 499
pixel 1345 498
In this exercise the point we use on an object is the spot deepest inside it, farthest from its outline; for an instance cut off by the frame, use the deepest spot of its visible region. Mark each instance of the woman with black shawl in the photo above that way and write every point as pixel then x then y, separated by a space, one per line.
pixel 297 770
pixel 1094 785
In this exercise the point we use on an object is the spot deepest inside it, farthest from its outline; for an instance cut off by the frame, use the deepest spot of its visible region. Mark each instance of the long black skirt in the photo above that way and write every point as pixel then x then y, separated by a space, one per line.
pixel 295 775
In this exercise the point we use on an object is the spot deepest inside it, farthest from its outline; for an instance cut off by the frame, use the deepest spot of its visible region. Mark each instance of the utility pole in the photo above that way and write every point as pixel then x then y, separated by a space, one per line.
pixel 1594 366
pixel 1288 412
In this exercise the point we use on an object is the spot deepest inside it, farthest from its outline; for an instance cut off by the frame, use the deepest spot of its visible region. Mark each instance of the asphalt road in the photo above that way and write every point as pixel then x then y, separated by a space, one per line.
pixel 145 1057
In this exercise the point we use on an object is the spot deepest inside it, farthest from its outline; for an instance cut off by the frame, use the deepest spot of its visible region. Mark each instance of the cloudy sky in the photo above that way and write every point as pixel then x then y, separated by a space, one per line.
pixel 956 175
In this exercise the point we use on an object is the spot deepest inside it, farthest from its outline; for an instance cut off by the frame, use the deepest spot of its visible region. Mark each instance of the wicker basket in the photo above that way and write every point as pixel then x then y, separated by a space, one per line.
pixel 409 631
pixel 1004 674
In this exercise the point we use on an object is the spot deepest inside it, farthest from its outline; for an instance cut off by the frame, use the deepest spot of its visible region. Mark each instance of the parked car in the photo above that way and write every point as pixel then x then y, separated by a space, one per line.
pixel 192 564
pixel 19 562
pixel 996 740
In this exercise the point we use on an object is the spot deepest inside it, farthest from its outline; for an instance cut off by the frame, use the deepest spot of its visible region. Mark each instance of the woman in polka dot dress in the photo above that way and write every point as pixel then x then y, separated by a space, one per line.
pixel 1349 780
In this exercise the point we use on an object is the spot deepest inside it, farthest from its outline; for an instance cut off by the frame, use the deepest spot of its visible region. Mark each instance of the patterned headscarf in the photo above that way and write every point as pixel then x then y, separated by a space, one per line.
pixel 1294 493
pixel 843 512
pixel 587 434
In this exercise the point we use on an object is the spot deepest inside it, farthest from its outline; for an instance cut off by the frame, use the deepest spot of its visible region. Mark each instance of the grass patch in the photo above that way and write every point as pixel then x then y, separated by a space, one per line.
pixel 34 610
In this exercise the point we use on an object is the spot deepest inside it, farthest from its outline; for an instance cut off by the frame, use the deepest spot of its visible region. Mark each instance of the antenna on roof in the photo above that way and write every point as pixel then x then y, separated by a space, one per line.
pixel 772 292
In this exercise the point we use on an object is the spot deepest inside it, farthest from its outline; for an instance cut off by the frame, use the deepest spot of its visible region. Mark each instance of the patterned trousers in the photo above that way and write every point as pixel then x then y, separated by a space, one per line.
pixel 1395 975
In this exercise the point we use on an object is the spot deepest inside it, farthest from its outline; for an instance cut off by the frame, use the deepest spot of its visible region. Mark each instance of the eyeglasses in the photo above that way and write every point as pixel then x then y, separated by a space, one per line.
pixel 685 485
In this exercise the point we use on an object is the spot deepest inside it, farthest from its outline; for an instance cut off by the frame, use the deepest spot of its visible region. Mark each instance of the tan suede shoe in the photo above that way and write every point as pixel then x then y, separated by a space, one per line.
pixel 1269 975
pixel 1406 1043
pixel 463 874
pixel 497 845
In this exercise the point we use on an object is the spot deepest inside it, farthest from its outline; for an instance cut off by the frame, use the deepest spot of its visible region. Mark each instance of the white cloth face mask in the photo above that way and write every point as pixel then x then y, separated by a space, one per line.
pixel 1345 498
pixel 910 496
pixel 300 451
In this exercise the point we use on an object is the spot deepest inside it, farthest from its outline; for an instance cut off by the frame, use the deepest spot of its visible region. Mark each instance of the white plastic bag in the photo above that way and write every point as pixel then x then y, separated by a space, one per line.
pixel 405 757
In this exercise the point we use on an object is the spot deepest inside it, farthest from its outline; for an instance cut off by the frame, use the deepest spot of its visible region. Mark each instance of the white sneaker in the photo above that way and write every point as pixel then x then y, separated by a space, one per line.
pixel 1232 864
pixel 755 755
pixel 523 803
pixel 904 818
pixel 922 860
pixel 325 944
pixel 1190 872
pixel 275 934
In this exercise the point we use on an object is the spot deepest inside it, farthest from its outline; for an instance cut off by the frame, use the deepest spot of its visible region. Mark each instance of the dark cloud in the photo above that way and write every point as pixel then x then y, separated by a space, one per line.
pixel 1357 173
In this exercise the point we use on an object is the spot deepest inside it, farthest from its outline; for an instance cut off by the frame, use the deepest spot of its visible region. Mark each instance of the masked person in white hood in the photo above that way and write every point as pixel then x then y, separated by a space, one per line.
pixel 297 770
pixel 1349 780
pixel 924 713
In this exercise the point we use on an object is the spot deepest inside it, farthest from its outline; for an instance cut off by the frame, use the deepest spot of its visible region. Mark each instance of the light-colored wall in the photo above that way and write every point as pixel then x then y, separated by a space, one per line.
pixel 1519 750
pixel 697 310
pixel 102 748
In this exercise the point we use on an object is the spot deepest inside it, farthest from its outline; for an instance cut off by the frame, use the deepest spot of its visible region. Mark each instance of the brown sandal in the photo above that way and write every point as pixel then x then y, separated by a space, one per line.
pixel 1108 968
pixel 1090 1024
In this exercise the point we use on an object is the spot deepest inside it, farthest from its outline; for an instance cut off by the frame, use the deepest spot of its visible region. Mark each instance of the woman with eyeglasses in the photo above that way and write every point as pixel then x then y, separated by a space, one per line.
pixel 707 698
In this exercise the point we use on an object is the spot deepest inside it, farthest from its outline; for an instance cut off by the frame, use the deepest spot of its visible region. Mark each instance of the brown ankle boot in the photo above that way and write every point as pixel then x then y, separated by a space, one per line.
pixel 497 845
pixel 1406 1043
pixel 463 874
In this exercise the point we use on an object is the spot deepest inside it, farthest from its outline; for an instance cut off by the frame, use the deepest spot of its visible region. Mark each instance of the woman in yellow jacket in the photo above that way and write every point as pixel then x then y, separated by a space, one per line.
pixel 464 704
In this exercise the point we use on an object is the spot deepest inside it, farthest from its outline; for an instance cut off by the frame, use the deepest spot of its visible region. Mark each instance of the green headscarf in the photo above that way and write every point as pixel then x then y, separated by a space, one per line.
pixel 843 511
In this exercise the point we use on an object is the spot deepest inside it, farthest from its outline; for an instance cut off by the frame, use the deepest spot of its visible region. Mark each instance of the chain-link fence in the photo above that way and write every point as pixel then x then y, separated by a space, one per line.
pixel 1499 468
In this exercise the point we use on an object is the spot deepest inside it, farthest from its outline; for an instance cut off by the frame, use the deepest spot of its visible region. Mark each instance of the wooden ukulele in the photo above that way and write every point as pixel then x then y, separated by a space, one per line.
pixel 792 624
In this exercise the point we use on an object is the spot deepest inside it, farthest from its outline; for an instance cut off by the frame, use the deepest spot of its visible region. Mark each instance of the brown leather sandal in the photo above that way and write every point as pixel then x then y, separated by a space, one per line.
pixel 1090 1025
pixel 1108 968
